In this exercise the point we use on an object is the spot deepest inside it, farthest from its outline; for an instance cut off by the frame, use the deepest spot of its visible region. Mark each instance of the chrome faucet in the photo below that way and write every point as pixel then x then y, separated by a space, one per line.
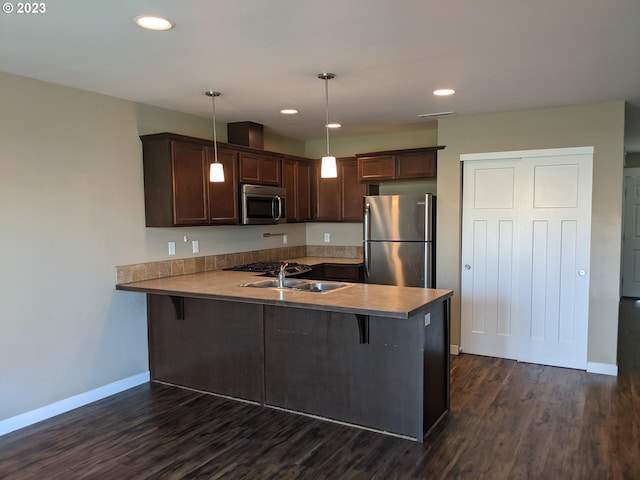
pixel 281 274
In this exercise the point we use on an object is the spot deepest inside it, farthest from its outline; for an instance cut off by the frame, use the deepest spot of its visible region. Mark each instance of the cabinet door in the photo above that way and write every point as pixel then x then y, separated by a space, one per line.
pixel 188 165
pixel 270 171
pixel 326 197
pixel 342 273
pixel 416 165
pixel 351 191
pixel 380 167
pixel 223 197
pixel 289 181
pixel 259 169
pixel 303 177
pixel 250 167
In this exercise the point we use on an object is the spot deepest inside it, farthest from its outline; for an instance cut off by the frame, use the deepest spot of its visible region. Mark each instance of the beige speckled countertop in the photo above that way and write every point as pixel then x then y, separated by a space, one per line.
pixel 367 299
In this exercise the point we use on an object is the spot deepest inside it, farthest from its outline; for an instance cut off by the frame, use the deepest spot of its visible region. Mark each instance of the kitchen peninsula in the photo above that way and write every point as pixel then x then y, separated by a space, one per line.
pixel 374 356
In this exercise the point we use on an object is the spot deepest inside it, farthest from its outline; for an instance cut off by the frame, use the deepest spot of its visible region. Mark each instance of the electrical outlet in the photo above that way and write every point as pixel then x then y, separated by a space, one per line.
pixel 195 246
pixel 285 240
pixel 427 319
pixel 327 237
pixel 172 248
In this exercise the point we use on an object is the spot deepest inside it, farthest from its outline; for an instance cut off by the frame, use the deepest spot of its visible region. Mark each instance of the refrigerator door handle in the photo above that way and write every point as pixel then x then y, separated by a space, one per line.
pixel 366 245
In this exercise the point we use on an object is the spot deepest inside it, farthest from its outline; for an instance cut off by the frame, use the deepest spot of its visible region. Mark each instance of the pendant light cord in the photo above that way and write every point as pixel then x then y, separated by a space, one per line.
pixel 215 140
pixel 213 94
pixel 326 108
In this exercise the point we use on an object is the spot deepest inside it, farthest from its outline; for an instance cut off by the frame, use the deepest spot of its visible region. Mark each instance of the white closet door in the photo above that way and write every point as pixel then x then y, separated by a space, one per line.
pixel 489 245
pixel 526 233
pixel 555 247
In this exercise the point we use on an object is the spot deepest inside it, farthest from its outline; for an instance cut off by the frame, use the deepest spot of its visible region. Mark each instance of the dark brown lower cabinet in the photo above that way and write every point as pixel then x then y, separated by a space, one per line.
pixel 216 347
pixel 397 382
pixel 384 373
pixel 337 272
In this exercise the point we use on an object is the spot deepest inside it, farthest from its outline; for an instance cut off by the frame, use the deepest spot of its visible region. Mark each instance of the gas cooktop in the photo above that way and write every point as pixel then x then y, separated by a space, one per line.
pixel 271 269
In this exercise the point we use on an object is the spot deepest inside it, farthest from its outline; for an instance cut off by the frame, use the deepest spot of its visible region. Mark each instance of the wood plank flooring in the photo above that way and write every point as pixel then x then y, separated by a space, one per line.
pixel 508 420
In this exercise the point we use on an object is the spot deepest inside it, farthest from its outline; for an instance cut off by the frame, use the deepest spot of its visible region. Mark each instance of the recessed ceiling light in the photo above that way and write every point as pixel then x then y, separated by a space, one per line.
pixel 153 23
pixel 443 92
pixel 334 125
pixel 289 111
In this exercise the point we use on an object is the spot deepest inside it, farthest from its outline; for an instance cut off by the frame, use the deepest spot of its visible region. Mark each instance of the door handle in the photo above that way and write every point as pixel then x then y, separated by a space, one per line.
pixel 366 245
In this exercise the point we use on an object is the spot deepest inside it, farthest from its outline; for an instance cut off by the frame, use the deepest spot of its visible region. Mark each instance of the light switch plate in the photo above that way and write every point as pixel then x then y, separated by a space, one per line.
pixel 195 245
pixel 427 319
pixel 327 237
pixel 172 248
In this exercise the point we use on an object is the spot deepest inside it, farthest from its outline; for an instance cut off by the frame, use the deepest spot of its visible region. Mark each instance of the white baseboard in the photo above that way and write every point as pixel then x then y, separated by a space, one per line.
pixel 454 350
pixel 602 368
pixel 34 416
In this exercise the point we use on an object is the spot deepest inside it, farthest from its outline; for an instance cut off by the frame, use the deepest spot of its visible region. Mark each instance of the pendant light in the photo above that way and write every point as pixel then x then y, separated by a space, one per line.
pixel 328 168
pixel 216 172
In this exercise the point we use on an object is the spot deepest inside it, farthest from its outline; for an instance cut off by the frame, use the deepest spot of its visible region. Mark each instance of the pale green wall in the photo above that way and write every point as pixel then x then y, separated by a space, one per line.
pixel 346 147
pixel 71 209
pixel 601 126
pixel 278 143
pixel 349 234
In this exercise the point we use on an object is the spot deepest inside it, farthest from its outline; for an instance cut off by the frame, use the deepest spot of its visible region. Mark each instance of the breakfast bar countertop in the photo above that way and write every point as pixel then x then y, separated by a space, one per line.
pixel 359 298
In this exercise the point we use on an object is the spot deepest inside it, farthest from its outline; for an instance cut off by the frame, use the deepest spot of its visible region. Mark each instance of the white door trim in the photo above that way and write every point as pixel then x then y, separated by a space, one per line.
pixel 464 157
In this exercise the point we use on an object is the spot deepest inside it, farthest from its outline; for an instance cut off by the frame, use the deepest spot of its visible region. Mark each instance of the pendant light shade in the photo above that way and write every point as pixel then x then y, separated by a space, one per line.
pixel 328 168
pixel 216 171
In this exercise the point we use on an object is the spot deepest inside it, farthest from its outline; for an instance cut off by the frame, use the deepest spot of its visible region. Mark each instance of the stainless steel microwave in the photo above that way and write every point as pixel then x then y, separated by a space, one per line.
pixel 262 205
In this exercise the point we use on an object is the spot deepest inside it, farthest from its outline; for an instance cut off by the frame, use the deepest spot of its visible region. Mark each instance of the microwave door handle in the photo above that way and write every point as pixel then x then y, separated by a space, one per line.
pixel 273 211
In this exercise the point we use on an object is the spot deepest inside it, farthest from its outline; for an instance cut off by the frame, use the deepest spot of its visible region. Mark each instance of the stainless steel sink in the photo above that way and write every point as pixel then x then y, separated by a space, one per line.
pixel 299 285
pixel 288 283
pixel 321 286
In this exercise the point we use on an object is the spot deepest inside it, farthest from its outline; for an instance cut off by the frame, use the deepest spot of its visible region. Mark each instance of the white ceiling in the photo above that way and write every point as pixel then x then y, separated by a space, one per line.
pixel 388 57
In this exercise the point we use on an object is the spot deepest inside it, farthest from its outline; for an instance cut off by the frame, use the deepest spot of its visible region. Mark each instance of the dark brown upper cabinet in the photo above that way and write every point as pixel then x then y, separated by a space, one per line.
pixel 339 199
pixel 223 196
pixel 260 169
pixel 398 164
pixel 296 179
pixel 177 190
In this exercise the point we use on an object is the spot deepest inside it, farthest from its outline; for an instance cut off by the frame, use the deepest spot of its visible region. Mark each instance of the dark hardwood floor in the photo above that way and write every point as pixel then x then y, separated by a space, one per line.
pixel 508 420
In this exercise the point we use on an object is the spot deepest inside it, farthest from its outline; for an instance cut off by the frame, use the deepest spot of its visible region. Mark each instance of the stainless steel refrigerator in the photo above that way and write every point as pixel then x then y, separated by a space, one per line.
pixel 399 240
